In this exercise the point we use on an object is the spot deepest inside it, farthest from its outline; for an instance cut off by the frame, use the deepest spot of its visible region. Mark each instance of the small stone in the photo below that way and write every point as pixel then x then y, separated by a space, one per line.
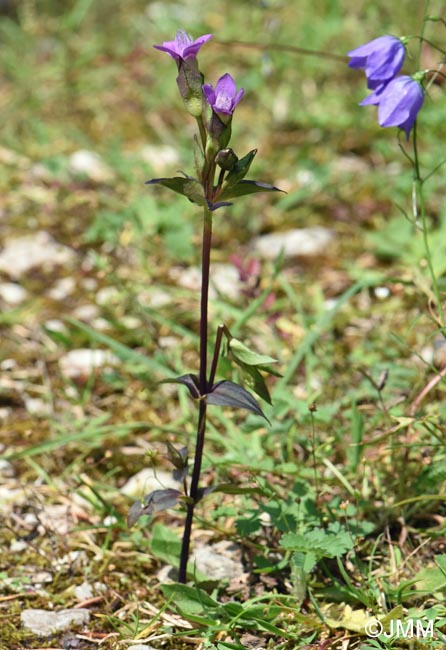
pixel 62 289
pixel 18 545
pixel 140 646
pixel 86 313
pixel 108 296
pixel 155 298
pixel 294 243
pixel 147 480
pixel 167 574
pixel 55 325
pixel 218 561
pixel 37 406
pixel 225 280
pixel 110 520
pixel 12 293
pixel 21 255
pixel 90 164
pixel 83 362
pixel 381 292
pixel 45 623
pixel 6 469
pixel 83 591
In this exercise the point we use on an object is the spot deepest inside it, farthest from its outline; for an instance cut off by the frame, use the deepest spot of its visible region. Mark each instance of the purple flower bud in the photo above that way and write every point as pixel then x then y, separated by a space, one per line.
pixel 381 58
pixel 398 102
pixel 224 98
pixel 183 47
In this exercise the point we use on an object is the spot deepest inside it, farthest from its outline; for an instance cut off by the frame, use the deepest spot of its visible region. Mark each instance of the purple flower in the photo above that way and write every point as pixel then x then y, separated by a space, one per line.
pixel 398 102
pixel 381 58
pixel 183 47
pixel 225 97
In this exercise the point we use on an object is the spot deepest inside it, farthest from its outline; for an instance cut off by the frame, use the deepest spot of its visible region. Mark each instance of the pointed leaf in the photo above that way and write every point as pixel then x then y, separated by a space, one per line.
pixel 242 353
pixel 154 502
pixel 227 393
pixel 178 457
pixel 243 188
pixel 256 382
pixel 240 169
pixel 135 513
pixel 190 381
pixel 187 186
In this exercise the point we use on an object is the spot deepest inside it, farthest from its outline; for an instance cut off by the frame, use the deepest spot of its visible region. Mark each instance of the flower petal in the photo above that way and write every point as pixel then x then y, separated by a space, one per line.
pixel 226 85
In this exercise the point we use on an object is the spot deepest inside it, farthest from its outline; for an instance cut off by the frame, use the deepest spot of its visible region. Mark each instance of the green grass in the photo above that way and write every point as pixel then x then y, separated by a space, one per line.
pixel 338 507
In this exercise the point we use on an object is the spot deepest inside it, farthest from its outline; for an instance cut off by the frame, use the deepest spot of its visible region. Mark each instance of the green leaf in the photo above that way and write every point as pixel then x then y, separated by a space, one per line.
pixel 242 353
pixel 228 393
pixel 247 187
pixel 165 544
pixel 322 543
pixel 190 600
pixel 239 170
pixel 256 382
pixel 189 187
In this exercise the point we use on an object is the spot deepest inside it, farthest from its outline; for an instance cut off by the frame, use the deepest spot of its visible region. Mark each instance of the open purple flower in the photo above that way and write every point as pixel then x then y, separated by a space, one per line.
pixel 398 103
pixel 381 58
pixel 225 97
pixel 183 47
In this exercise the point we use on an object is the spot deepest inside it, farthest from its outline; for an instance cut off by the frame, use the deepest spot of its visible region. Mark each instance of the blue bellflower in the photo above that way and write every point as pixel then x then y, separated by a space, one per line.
pixel 381 59
pixel 398 103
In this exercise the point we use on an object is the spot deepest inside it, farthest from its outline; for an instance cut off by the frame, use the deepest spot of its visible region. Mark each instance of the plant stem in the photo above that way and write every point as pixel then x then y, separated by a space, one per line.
pixel 418 192
pixel 204 387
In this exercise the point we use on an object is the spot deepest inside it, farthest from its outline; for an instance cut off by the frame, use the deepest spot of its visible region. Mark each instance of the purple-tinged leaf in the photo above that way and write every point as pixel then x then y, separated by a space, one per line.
pixel 154 502
pixel 242 188
pixel 135 513
pixel 228 393
pixel 189 187
pixel 190 381
pixel 178 457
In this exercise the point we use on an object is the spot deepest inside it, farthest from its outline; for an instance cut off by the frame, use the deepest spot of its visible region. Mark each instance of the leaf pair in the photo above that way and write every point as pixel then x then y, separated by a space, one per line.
pixel 233 186
pixel 223 393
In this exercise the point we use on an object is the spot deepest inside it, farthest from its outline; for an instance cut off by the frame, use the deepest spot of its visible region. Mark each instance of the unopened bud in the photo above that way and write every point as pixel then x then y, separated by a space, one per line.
pixel 226 159
pixel 189 83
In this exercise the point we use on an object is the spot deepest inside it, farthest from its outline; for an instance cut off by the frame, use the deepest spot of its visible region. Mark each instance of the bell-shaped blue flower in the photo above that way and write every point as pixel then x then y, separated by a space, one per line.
pixel 398 102
pixel 381 59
